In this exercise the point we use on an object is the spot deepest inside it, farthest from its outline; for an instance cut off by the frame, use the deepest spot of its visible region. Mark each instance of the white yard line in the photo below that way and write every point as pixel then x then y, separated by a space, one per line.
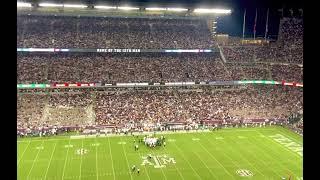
pixel 97 160
pixel 34 161
pixel 160 168
pixel 181 152
pixel 114 175
pixel 257 158
pixel 281 164
pixel 240 155
pixel 288 149
pixel 214 159
pixel 65 162
pixel 23 153
pixel 174 164
pixel 143 166
pixel 50 160
pixel 81 159
pixel 125 155
pixel 272 140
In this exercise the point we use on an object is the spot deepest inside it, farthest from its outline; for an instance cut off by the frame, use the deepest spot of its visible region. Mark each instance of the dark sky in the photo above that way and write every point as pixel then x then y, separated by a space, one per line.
pixel 231 24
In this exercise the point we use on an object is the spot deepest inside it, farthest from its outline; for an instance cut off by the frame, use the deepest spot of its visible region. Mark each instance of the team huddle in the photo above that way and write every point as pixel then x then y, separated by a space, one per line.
pixel 150 140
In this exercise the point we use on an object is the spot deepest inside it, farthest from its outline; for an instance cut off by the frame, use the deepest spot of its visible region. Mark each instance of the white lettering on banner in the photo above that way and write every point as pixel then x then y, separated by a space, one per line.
pixel 118 50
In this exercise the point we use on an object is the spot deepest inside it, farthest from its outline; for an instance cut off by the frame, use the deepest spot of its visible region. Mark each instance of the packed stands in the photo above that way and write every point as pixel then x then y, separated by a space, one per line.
pixel 99 32
pixel 118 108
pixel 288 48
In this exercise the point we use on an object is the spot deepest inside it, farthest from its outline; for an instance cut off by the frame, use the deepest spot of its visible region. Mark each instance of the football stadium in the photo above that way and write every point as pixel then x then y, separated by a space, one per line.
pixel 137 90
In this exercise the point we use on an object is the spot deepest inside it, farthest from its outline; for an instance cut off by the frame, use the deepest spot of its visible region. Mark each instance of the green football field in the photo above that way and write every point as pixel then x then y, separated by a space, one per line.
pixel 235 153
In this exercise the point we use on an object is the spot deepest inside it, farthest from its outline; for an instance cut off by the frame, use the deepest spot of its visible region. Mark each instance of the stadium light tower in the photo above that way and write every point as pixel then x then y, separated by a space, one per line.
pixel 50 5
pixel 127 8
pixel 75 6
pixel 22 4
pixel 177 9
pixel 155 9
pixel 105 7
pixel 213 11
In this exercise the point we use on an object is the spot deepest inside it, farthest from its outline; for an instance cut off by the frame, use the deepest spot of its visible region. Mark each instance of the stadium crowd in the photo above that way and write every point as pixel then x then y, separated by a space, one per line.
pixel 287 49
pixel 99 32
pixel 139 68
pixel 90 108
pixel 140 107
pixel 152 67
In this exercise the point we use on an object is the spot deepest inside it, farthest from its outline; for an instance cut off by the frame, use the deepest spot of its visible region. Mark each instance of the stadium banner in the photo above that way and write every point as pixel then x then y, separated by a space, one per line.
pixel 117 50
pixel 145 84
pixel 221 83
pixel 132 84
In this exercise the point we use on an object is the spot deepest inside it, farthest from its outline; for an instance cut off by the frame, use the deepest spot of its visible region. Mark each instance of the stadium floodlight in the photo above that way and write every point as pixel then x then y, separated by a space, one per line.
pixel 155 9
pixel 127 8
pixel 105 7
pixel 177 9
pixel 75 6
pixel 50 5
pixel 22 4
pixel 217 11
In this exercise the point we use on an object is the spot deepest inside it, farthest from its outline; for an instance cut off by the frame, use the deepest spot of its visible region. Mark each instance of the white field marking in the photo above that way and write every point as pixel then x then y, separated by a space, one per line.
pixel 244 172
pixel 160 168
pixel 215 160
pixel 288 143
pixel 68 146
pixel 290 136
pixel 174 163
pixel 222 151
pixel 122 142
pixel 270 157
pixel 97 144
pixel 261 160
pixel 205 164
pixel 195 139
pixel 34 161
pixel 114 175
pixel 125 155
pixel 23 153
pixel 65 161
pixel 144 167
pixel 181 152
pixel 40 147
pixel 219 138
pixel 241 155
pixel 171 140
pixel 81 160
pixel 275 154
pixel 54 148
pixel 286 148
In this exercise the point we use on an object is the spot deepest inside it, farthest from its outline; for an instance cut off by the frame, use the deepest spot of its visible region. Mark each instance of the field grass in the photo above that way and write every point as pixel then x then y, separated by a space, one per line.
pixel 223 154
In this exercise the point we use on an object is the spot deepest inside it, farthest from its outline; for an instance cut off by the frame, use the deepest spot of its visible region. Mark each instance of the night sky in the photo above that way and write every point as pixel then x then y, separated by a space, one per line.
pixel 231 24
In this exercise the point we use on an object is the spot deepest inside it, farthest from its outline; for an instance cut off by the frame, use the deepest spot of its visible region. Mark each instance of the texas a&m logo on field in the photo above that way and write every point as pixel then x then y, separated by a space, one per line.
pixel 157 161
